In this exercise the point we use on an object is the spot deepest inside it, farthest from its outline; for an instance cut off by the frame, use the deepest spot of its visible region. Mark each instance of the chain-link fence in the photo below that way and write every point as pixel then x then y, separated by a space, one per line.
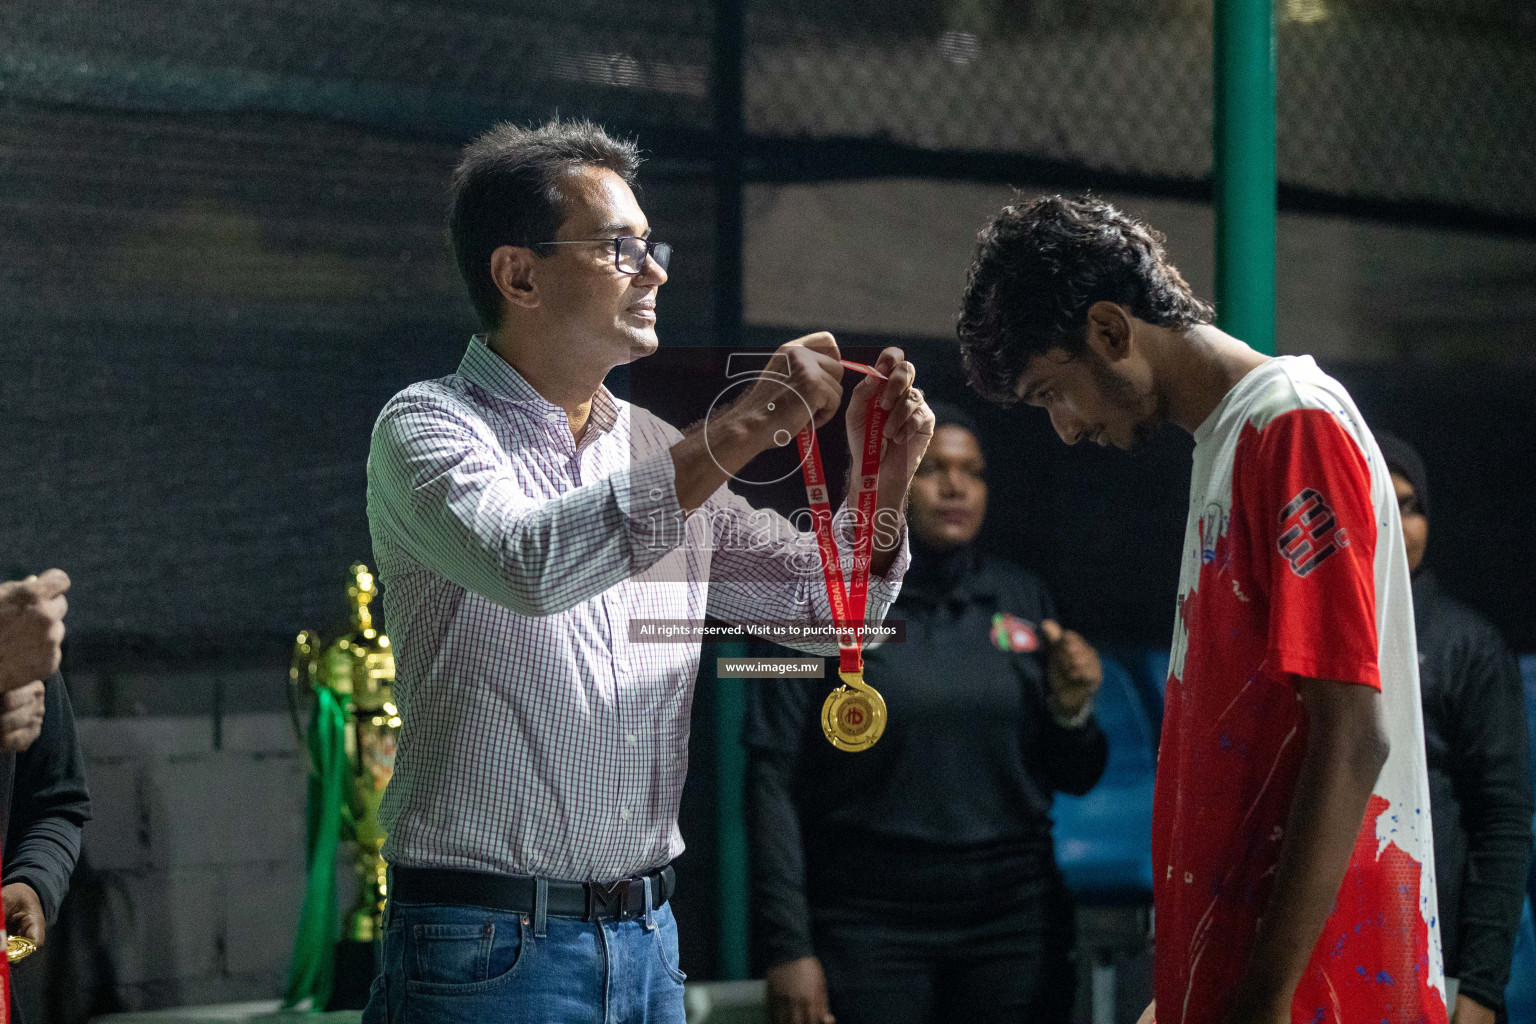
pixel 221 250
pixel 1397 100
pixel 150 241
pixel 1427 100
pixel 440 67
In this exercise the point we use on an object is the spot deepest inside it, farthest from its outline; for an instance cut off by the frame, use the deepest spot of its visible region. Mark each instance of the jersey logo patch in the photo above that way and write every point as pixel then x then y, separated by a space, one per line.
pixel 1309 532
pixel 1011 633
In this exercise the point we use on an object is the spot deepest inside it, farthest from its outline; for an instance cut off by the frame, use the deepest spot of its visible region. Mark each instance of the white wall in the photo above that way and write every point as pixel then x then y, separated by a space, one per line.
pixel 196 853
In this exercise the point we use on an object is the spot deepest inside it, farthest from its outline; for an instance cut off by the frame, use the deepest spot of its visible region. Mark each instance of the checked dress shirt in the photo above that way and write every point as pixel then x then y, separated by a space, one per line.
pixel 540 738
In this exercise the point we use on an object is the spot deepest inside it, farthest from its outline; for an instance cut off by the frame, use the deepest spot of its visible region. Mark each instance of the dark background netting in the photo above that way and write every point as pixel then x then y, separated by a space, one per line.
pixel 1400 100
pixel 1387 99
pixel 221 251
pixel 440 67
pixel 221 244
pixel 204 315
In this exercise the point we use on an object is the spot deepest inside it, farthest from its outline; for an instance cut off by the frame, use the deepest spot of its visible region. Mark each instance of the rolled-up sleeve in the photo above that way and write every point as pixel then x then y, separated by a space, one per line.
pixel 442 490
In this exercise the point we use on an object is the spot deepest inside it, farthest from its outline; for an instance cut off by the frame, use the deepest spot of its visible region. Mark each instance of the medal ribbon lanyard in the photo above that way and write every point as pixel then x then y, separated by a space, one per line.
pixel 853 716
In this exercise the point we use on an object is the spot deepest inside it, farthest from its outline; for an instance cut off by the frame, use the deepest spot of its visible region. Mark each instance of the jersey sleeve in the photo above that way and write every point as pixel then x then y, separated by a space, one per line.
pixel 1313 527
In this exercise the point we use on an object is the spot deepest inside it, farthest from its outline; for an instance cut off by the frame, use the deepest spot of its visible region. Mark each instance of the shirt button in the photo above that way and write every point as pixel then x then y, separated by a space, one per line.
pixel 624 813
pixel 629 738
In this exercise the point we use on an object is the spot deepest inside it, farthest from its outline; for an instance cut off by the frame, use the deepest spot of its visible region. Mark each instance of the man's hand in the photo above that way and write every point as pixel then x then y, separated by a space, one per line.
pixel 797 993
pixel 908 429
pixel 31 628
pixel 1073 669
pixel 21 716
pixel 802 381
pixel 908 420
pixel 24 912
pixel 1470 1011
pixel 1149 1015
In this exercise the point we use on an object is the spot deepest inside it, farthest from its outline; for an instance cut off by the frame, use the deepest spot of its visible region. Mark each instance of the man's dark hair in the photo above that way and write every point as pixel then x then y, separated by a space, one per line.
pixel 1040 265
pixel 506 191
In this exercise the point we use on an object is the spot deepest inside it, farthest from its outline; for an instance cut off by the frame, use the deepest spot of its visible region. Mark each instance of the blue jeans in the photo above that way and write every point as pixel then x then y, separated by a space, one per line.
pixel 472 965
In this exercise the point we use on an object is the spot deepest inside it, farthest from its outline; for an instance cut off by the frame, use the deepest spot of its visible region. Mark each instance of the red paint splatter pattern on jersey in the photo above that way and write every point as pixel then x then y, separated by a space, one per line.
pixel 1372 962
pixel 1279 583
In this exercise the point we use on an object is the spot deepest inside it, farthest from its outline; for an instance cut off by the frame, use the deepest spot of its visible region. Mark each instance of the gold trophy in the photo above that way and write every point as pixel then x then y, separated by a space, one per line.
pixel 360 669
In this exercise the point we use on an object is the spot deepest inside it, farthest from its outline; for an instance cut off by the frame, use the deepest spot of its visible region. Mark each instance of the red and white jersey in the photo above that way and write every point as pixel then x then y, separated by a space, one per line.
pixel 1293 567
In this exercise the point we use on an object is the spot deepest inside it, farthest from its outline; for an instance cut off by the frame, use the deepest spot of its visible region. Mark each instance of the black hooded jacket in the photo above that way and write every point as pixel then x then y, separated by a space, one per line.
pixel 1479 785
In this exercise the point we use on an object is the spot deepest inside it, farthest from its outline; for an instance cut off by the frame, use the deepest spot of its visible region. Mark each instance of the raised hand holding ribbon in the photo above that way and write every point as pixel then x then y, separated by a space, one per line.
pixel 853 715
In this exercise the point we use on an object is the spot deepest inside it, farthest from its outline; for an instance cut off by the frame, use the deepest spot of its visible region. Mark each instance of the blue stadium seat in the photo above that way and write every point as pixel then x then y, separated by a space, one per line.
pixel 1520 993
pixel 1528 679
pixel 1155 672
pixel 1104 839
pixel 1148 667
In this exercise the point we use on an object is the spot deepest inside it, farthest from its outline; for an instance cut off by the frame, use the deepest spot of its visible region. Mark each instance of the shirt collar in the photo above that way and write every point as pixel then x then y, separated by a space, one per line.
pixel 484 368
pixel 1238 392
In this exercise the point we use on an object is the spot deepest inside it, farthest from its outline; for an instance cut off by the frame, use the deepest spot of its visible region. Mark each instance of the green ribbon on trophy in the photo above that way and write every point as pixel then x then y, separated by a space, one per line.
pixel 314 948
pixel 350 744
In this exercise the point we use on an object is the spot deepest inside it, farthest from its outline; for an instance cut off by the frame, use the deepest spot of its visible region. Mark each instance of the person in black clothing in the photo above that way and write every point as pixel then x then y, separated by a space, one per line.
pixel 1479 767
pixel 916 881
pixel 47 806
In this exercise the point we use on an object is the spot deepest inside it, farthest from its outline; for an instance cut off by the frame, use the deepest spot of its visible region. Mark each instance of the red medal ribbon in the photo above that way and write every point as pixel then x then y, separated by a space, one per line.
pixel 849 603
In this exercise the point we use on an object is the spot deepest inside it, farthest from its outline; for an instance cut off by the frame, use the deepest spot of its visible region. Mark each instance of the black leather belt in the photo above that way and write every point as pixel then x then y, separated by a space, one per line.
pixel 589 901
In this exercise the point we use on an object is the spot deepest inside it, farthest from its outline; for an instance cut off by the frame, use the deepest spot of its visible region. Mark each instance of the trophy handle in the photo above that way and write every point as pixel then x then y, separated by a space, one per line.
pixel 303 674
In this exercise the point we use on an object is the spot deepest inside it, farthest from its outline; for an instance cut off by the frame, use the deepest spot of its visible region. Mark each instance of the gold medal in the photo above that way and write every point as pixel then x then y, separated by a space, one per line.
pixel 853 715
pixel 19 947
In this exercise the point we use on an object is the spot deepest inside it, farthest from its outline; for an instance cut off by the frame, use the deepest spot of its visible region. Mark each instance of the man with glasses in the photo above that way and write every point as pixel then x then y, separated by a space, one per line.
pixel 522 518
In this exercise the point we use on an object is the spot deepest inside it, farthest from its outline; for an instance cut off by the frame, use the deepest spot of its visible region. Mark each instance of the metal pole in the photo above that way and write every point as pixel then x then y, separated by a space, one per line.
pixel 728 93
pixel 731 818
pixel 1244 150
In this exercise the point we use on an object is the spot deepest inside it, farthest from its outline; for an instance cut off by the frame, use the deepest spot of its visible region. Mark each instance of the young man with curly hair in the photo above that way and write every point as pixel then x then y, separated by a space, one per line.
pixel 1292 856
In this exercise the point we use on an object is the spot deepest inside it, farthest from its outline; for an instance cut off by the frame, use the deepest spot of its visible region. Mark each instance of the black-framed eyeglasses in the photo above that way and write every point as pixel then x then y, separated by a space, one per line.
pixel 629 251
